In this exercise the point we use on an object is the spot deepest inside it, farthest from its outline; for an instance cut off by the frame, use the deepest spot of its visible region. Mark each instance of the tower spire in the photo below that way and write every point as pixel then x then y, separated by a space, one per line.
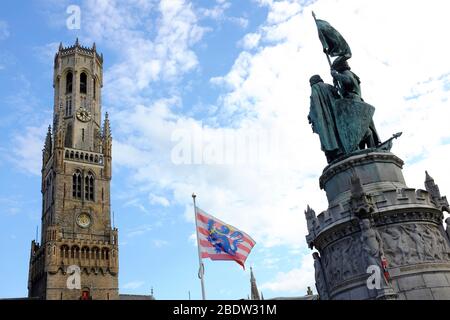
pixel 106 127
pixel 47 151
pixel 254 288
pixel 431 186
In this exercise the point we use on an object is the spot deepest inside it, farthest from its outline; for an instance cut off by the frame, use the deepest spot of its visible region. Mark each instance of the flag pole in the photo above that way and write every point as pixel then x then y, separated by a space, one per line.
pixel 321 37
pixel 201 270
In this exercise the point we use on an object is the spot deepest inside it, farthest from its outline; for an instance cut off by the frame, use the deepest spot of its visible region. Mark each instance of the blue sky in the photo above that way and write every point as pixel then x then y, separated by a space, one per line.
pixel 194 75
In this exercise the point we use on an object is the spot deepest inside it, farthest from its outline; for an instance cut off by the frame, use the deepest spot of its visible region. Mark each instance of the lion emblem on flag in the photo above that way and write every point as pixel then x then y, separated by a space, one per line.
pixel 224 238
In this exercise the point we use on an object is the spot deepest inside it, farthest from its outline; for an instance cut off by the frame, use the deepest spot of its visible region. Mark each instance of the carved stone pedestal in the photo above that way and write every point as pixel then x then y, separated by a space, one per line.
pixel 375 221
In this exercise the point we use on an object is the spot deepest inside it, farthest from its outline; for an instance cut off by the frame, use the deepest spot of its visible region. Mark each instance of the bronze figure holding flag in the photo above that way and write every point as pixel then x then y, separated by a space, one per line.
pixel 338 114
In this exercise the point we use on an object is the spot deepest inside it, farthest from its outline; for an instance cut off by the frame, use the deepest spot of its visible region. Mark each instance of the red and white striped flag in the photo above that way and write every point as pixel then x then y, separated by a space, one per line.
pixel 221 241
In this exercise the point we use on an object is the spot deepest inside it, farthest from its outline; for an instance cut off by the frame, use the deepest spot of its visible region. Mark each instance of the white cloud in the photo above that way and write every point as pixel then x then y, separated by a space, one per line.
pixel 4 30
pixel 154 42
pixel 250 41
pixel 296 280
pixel 158 243
pixel 138 231
pixel 240 21
pixel 158 200
pixel 46 52
pixel 26 152
pixel 133 285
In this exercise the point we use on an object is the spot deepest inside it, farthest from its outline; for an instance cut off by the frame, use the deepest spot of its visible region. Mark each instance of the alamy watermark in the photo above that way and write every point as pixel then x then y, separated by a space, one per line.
pixel 73 22
pixel 374 280
pixel 379 277
pixel 74 279
pixel 224 146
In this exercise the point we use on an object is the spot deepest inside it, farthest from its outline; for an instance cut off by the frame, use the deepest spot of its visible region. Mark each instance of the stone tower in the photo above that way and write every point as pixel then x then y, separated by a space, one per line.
pixel 77 237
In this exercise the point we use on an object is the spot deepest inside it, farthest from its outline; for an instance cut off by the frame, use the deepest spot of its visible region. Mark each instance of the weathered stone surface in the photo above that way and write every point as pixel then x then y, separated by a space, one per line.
pixel 76 176
pixel 374 217
pixel 419 294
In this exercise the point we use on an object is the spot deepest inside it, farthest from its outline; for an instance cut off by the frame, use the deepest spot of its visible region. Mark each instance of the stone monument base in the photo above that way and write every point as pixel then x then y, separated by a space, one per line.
pixel 375 221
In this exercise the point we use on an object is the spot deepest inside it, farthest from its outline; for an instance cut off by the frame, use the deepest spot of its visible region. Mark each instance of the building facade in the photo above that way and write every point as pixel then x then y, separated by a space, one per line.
pixel 77 257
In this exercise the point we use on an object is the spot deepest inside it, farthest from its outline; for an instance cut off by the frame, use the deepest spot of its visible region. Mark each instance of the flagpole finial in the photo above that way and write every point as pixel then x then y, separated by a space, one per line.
pixel 194 195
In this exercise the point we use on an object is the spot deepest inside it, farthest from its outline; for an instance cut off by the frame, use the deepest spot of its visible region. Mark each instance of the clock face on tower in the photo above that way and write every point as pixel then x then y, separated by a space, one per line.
pixel 83 115
pixel 84 220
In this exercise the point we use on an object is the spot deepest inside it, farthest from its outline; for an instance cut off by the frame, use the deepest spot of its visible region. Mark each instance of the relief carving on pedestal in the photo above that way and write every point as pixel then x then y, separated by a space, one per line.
pixel 414 243
pixel 342 260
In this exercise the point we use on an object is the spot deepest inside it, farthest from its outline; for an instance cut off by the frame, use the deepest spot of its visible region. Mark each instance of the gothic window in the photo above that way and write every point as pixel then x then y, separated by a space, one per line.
pixel 75 252
pixel 68 106
pixel 85 253
pixel 64 251
pixel 82 135
pixel 76 185
pixel 83 83
pixel 94 88
pixel 89 187
pixel 69 81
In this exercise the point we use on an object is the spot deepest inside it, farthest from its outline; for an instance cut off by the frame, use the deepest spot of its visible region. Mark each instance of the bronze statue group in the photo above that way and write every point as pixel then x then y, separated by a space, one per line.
pixel 338 114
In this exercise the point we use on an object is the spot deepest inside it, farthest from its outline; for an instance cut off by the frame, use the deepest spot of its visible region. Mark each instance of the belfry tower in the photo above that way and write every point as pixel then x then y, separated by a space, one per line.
pixel 77 257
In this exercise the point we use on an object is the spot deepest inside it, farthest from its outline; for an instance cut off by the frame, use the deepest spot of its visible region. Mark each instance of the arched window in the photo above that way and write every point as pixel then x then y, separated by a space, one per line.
pixel 85 253
pixel 95 253
pixel 94 83
pixel 89 187
pixel 69 81
pixel 76 185
pixel 68 106
pixel 64 251
pixel 83 83
pixel 76 252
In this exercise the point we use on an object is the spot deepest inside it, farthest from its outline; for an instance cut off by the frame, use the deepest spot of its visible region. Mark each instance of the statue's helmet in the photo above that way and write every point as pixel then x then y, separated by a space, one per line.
pixel 315 79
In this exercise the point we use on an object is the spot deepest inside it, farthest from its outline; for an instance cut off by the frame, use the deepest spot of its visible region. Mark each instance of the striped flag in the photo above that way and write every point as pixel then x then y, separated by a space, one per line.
pixel 221 241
